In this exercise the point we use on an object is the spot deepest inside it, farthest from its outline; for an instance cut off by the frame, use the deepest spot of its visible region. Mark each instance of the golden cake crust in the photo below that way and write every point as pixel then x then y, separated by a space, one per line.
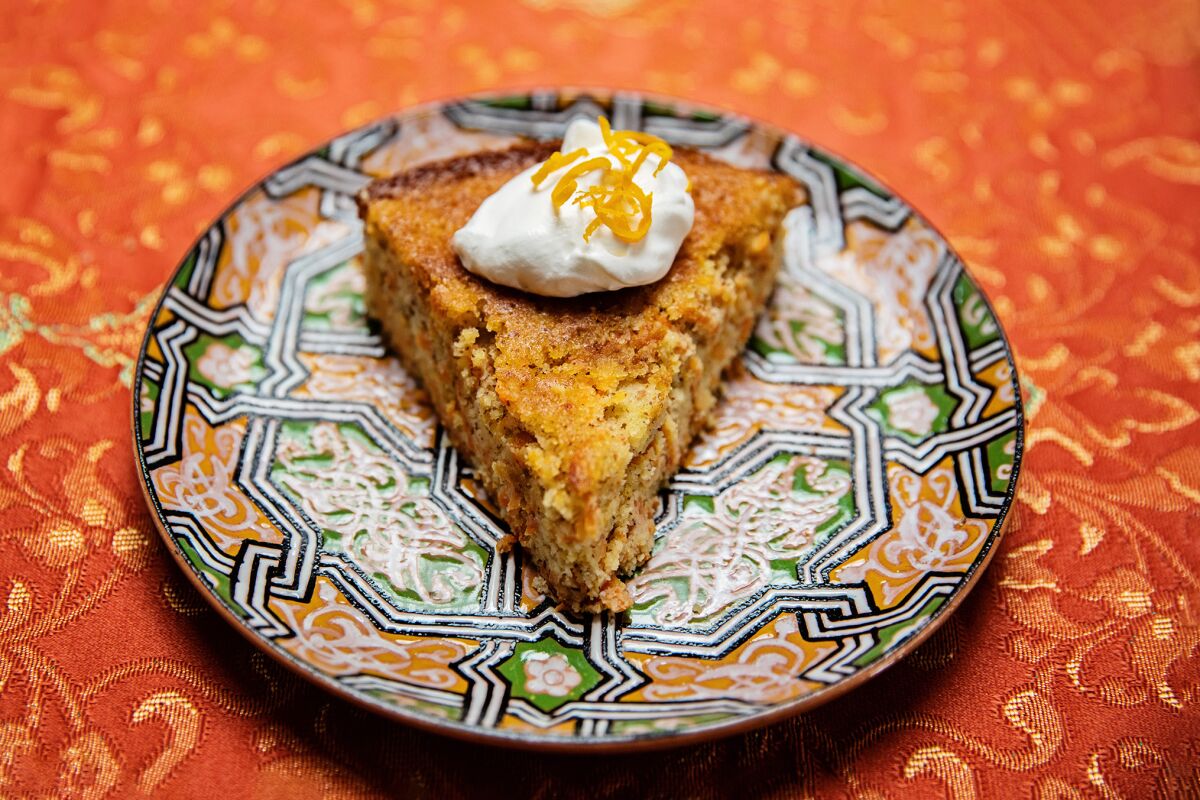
pixel 575 395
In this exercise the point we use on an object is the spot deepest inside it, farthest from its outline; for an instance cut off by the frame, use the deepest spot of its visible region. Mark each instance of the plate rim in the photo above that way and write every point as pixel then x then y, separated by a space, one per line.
pixel 622 743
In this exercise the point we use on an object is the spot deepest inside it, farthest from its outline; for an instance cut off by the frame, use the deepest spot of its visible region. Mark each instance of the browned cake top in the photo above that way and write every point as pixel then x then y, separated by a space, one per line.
pixel 586 376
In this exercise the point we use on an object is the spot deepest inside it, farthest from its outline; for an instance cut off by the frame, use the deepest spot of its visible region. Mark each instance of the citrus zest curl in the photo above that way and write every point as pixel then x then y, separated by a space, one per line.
pixel 618 203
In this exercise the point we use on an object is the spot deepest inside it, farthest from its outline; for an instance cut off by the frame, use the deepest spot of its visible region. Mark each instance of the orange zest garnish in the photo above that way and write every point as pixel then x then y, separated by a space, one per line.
pixel 565 187
pixel 618 203
pixel 556 161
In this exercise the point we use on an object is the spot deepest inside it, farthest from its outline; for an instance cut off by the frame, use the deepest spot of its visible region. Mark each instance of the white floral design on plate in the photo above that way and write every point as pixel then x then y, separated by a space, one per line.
pixel 749 405
pixel 893 271
pixel 549 675
pixel 225 366
pixel 331 297
pixel 930 534
pixel 382 382
pixel 712 560
pixel 343 640
pixel 387 525
pixel 264 236
pixel 911 410
pixel 767 670
pixel 800 326
pixel 202 483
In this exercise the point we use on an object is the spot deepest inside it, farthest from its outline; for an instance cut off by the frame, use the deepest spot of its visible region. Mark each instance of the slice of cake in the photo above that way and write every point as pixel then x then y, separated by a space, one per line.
pixel 573 411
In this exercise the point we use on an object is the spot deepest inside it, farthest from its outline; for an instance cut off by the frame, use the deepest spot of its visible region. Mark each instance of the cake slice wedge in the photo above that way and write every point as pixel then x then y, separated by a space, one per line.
pixel 574 412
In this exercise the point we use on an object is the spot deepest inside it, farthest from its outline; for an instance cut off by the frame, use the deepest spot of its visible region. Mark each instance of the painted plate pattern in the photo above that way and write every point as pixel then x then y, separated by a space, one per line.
pixel 851 487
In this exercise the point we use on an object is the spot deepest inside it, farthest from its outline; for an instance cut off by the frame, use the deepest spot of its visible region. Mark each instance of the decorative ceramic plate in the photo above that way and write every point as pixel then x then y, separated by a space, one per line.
pixel 847 496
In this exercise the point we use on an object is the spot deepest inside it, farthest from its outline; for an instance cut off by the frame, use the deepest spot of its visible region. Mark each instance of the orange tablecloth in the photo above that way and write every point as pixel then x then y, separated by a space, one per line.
pixel 1056 144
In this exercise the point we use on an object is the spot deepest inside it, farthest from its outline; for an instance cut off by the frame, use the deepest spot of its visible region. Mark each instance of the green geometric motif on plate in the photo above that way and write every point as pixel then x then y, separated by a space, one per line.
pixel 813 333
pixel 651 726
pixel 518 101
pixel 146 402
pixel 844 508
pixel 1000 456
pixel 913 411
pixel 184 276
pixel 424 706
pixel 219 581
pixel 849 178
pixel 891 635
pixel 974 316
pixel 547 674
pixel 334 300
pixel 225 365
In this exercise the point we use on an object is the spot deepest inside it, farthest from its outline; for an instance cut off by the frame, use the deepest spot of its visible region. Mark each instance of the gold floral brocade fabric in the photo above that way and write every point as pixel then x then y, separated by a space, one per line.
pixel 1055 145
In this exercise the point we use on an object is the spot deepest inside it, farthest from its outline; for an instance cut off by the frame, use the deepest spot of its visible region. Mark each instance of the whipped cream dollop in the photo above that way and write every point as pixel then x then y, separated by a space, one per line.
pixel 519 237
